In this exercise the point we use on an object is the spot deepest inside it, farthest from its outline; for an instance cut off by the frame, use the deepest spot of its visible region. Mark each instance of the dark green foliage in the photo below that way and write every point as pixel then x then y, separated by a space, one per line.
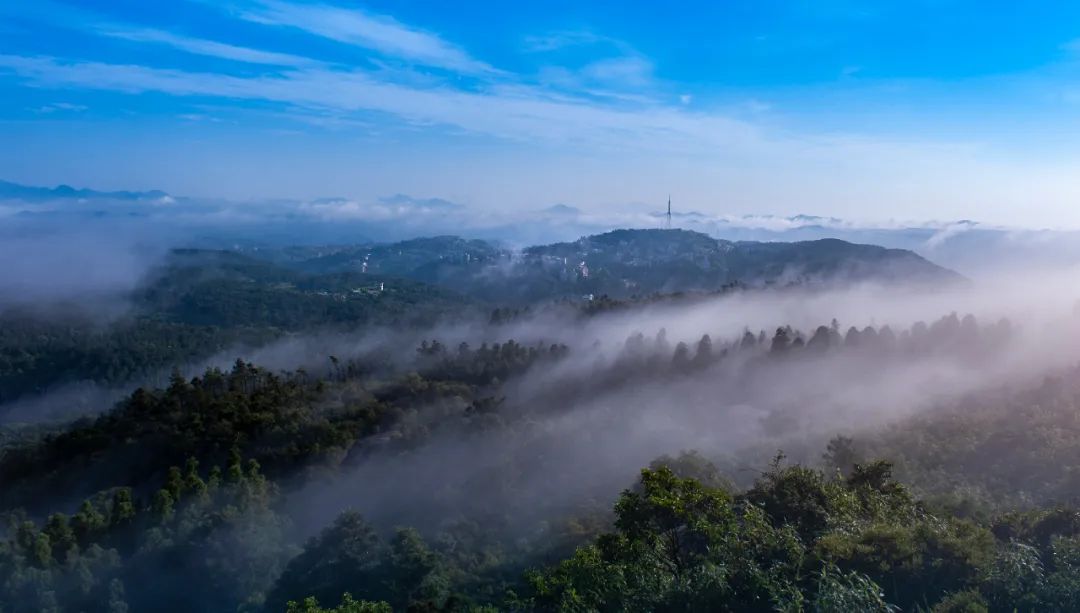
pixel 203 302
pixel 348 605
pixel 347 555
pixel 172 501
pixel 693 465
pixel 200 303
pixel 36 355
pixel 154 430
pixel 799 541
pixel 118 557
pixel 625 263
pixel 282 421
pixel 993 451
pixel 679 546
pixel 841 455
pixel 838 592
pixel 154 520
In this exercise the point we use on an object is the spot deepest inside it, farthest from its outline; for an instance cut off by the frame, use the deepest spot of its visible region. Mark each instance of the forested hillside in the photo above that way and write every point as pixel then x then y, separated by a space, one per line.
pixel 357 306
pixel 200 303
pixel 486 476
pixel 197 304
pixel 625 263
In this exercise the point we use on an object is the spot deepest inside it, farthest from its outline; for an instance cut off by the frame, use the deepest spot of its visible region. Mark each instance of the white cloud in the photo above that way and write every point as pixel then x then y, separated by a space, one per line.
pixel 614 68
pixel 758 106
pixel 837 172
pixel 399 207
pixel 199 117
pixel 209 48
pixel 756 160
pixel 554 41
pixel 380 33
pixel 519 113
pixel 620 71
pixel 60 106
pixel 949 231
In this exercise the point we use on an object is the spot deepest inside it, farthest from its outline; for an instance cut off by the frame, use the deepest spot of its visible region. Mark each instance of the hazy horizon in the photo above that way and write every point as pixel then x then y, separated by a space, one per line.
pixel 328 306
pixel 873 113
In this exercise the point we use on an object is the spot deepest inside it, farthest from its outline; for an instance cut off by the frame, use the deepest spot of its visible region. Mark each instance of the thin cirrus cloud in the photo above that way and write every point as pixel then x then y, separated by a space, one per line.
pixel 606 98
pixel 522 113
pixel 554 41
pixel 379 33
pixel 57 107
pixel 616 67
pixel 519 113
pixel 198 46
pixel 563 39
pixel 626 71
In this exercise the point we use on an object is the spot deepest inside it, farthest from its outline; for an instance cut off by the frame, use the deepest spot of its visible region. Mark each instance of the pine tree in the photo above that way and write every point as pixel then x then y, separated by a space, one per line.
pixel 164 505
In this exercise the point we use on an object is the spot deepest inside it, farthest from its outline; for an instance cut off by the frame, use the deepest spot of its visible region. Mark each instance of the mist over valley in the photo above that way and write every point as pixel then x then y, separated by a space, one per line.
pixel 358 306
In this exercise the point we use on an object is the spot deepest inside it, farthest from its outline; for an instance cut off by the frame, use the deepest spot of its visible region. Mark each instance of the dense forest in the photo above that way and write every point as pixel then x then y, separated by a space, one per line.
pixel 364 306
pixel 197 304
pixel 621 264
pixel 487 476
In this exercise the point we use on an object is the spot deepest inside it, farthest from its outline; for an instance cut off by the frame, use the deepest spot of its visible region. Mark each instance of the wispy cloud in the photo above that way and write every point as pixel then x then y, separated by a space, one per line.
pixel 565 39
pixel 198 46
pixel 612 68
pixel 621 71
pixel 400 207
pixel 379 33
pixel 745 152
pixel 56 107
pixel 521 113
pixel 553 41
pixel 576 84
pixel 199 117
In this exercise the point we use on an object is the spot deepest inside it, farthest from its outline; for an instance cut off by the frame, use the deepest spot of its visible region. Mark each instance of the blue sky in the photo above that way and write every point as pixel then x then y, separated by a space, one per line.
pixel 924 109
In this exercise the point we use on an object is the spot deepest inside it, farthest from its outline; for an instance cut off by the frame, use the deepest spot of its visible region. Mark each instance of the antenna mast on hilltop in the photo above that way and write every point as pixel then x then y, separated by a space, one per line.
pixel 669 212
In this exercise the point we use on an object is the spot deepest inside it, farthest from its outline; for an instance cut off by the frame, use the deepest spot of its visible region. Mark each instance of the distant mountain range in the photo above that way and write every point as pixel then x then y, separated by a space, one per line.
pixel 15 191
pixel 966 246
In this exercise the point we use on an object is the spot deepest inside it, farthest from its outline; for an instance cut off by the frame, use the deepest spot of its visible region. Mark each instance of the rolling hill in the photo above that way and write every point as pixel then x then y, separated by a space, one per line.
pixel 625 263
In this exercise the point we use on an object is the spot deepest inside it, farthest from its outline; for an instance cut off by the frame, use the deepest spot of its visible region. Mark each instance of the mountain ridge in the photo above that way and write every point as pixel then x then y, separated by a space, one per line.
pixel 19 191
pixel 628 262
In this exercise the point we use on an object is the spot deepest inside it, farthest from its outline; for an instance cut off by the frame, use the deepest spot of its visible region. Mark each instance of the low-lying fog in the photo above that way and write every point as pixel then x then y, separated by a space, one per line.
pixel 582 427
pixel 575 431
